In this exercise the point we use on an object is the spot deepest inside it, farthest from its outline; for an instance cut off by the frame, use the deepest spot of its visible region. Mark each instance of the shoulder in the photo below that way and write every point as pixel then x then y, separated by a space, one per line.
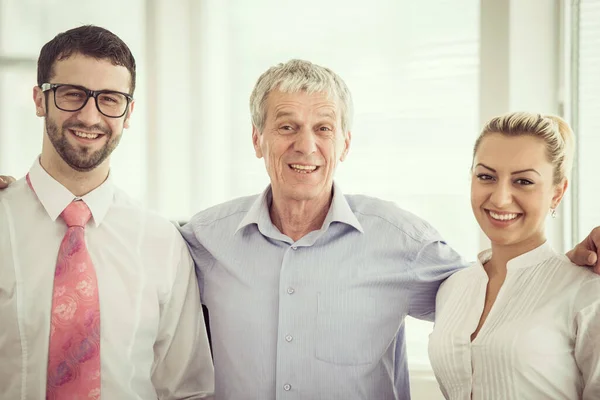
pixel 155 226
pixel 456 284
pixel 234 209
pixel 16 191
pixel 573 273
pixel 124 200
pixel 12 199
pixel 17 198
pixel 473 272
pixel 377 213
pixel 580 284
pixel 585 280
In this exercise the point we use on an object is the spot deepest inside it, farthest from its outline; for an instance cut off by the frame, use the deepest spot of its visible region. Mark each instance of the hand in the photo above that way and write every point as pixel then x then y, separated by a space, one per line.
pixel 5 181
pixel 587 253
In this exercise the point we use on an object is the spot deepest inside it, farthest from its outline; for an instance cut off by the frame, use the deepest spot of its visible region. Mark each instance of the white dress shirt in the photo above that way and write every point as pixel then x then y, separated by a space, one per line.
pixel 541 339
pixel 153 339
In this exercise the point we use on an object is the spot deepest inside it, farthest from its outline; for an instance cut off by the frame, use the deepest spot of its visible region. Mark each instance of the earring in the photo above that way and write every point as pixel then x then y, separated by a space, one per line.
pixel 553 212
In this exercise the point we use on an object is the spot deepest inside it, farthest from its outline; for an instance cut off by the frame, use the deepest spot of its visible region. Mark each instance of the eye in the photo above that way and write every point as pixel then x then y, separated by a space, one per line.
pixel 286 128
pixel 523 182
pixel 75 94
pixel 325 129
pixel 108 99
pixel 485 177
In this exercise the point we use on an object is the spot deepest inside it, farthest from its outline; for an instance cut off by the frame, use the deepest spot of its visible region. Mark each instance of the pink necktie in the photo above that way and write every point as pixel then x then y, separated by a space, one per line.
pixel 74 352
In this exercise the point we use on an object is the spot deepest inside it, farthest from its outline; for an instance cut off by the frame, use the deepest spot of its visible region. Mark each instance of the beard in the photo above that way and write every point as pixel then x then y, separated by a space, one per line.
pixel 80 158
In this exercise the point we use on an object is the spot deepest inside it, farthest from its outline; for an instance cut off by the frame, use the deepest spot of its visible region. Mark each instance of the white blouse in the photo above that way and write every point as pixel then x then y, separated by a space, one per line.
pixel 541 339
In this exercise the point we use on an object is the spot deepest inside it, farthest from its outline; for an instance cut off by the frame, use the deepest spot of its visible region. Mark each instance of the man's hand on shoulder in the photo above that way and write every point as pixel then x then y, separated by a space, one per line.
pixel 587 253
pixel 5 181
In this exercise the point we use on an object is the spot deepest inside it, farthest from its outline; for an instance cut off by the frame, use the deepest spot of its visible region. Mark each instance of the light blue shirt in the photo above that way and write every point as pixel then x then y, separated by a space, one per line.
pixel 322 317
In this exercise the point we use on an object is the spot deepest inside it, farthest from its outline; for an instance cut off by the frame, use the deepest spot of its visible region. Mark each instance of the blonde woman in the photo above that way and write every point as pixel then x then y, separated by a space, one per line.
pixel 522 322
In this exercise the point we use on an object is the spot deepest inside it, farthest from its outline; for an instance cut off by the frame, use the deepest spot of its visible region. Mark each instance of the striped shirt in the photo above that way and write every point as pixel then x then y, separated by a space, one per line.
pixel 541 339
pixel 321 317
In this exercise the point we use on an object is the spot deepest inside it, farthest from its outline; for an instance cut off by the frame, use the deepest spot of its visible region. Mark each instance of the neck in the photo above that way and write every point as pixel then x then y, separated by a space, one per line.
pixel 296 219
pixel 502 254
pixel 77 182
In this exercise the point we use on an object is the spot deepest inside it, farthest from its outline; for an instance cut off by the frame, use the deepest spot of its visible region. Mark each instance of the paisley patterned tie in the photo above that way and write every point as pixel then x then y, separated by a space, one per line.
pixel 74 351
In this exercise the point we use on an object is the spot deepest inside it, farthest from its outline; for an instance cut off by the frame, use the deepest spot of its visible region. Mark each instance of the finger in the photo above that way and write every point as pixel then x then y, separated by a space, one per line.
pixel 5 181
pixel 582 256
pixel 590 259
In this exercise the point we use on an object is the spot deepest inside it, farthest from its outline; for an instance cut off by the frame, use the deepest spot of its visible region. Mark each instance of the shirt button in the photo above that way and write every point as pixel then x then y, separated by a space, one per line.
pixel 294 247
pixel 290 290
pixel 289 338
pixel 287 387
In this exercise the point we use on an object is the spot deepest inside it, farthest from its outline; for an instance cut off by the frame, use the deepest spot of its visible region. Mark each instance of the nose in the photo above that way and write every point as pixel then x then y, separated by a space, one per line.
pixel 89 114
pixel 305 142
pixel 501 195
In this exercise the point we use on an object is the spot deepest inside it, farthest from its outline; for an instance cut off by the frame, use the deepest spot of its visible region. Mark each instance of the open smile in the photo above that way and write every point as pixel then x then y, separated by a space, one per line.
pixel 303 168
pixel 502 219
pixel 86 137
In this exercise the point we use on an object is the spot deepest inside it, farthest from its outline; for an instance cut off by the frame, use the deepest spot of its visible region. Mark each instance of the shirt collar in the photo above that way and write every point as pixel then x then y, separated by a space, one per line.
pixel 529 259
pixel 258 213
pixel 55 197
pixel 339 211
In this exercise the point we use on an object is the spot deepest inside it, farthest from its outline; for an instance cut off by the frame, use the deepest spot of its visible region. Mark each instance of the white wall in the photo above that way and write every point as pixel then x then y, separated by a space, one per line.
pixel 587 96
pixel 424 74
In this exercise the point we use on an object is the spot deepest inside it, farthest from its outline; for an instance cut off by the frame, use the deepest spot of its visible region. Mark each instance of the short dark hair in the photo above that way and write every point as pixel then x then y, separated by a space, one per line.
pixel 90 41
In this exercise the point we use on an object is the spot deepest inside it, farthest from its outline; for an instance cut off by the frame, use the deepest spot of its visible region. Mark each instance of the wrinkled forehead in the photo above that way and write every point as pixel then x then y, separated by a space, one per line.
pixel 290 101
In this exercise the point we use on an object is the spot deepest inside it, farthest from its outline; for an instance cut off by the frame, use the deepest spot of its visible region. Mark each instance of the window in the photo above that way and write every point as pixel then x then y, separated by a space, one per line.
pixel 20 130
pixel 412 68
pixel 586 93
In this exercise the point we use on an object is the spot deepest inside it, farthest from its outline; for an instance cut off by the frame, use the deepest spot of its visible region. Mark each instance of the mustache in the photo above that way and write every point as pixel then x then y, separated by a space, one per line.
pixel 98 128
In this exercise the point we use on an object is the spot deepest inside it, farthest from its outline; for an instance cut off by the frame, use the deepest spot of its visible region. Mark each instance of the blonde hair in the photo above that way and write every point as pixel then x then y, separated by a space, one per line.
pixel 295 76
pixel 554 131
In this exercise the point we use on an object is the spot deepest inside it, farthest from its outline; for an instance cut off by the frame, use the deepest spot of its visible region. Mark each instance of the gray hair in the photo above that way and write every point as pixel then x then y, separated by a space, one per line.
pixel 295 76
pixel 554 131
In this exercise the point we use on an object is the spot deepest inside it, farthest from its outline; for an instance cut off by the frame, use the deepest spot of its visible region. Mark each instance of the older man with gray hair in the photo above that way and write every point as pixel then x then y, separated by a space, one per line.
pixel 308 288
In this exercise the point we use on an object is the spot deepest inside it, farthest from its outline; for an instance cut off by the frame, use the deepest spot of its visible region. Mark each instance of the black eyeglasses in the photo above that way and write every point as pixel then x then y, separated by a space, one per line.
pixel 73 98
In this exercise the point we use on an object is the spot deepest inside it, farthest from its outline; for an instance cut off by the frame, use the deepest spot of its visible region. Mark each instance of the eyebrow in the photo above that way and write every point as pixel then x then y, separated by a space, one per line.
pixel 512 173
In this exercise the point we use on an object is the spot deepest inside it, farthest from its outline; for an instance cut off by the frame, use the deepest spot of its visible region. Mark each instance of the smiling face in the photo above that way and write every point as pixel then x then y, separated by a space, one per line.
pixel 512 190
pixel 83 139
pixel 302 142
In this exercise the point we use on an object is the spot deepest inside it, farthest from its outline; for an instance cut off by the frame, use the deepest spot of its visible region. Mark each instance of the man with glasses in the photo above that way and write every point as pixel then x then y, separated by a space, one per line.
pixel 308 288
pixel 98 298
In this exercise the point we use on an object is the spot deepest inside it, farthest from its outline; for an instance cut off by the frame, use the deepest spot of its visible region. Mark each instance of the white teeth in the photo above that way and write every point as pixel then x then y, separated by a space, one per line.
pixel 86 135
pixel 503 217
pixel 304 169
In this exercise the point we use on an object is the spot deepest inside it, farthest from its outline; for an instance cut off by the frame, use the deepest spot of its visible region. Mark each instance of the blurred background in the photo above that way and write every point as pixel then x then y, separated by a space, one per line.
pixel 424 74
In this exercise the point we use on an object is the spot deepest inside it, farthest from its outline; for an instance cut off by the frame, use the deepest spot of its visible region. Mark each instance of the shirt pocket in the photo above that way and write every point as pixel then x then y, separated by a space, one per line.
pixel 354 326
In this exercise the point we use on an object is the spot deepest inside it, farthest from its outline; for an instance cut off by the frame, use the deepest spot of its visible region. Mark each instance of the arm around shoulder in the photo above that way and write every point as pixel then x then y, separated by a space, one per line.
pixel 202 258
pixel 183 363
pixel 434 262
